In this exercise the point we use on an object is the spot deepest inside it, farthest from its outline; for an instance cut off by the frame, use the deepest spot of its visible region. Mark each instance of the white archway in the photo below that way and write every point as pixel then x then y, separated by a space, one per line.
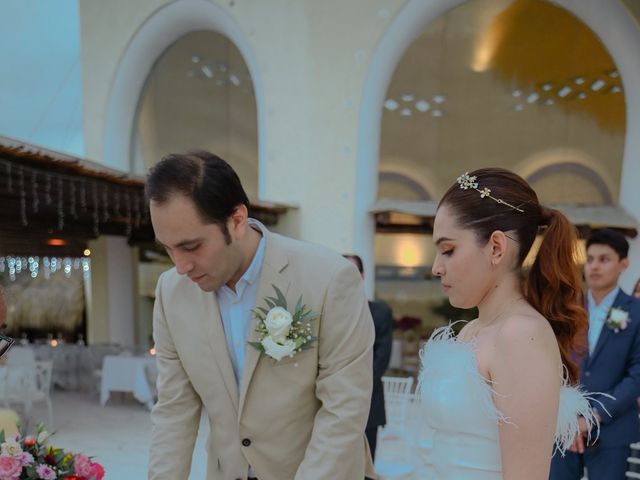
pixel 608 20
pixel 156 34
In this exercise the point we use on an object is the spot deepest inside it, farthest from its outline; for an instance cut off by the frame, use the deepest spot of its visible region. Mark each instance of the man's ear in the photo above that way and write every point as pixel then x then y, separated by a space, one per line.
pixel 497 246
pixel 624 264
pixel 239 220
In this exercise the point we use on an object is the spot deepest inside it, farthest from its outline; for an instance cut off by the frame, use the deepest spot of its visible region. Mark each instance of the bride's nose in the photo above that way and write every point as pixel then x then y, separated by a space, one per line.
pixel 437 269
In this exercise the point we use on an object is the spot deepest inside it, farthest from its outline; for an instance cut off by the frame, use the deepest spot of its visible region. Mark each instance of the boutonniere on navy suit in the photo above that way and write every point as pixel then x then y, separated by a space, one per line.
pixel 618 319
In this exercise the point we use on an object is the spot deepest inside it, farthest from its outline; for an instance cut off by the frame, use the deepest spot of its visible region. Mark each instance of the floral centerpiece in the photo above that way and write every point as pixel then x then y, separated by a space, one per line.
pixel 30 457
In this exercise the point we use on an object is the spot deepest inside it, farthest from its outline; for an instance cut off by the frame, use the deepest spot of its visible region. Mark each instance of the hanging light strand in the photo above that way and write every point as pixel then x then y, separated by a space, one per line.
pixel 23 199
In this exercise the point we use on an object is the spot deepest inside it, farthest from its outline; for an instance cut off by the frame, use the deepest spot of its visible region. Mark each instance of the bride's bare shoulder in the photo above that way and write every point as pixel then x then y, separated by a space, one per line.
pixel 465 333
pixel 527 326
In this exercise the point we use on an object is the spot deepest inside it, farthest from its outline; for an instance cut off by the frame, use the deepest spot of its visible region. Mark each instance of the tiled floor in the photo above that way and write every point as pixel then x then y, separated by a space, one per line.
pixel 117 435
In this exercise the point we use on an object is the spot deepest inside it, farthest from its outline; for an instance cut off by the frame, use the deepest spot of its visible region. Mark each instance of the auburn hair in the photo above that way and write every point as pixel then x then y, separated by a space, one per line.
pixel 553 284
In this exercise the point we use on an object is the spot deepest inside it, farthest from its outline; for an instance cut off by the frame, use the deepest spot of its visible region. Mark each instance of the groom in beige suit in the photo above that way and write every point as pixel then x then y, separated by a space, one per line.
pixel 301 417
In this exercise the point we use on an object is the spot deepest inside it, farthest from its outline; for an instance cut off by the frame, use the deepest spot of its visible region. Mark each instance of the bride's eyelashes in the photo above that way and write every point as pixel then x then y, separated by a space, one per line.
pixel 448 253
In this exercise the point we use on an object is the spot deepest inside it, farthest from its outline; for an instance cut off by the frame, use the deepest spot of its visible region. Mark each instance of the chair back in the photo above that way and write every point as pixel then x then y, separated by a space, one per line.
pixel 43 378
pixel 397 396
pixel 21 356
pixel 17 382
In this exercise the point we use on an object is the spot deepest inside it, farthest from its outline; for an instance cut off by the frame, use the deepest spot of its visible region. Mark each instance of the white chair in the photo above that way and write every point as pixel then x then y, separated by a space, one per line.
pixel 397 396
pixel 21 356
pixel 395 451
pixel 633 462
pixel 395 456
pixel 27 384
pixel 397 384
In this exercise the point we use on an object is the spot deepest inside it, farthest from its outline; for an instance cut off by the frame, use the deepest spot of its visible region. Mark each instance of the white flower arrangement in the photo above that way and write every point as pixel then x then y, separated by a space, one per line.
pixel 283 334
pixel 618 319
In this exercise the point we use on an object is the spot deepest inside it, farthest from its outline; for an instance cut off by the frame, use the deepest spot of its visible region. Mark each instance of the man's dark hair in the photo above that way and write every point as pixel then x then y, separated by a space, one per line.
pixel 205 178
pixel 357 260
pixel 613 239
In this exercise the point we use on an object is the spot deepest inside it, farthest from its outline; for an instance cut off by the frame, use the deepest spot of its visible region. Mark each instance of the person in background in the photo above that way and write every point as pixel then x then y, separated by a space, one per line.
pixel 5 342
pixel 611 366
pixel 383 322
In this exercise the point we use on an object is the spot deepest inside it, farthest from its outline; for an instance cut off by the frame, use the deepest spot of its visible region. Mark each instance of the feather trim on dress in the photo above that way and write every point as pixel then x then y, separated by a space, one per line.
pixel 444 351
pixel 575 402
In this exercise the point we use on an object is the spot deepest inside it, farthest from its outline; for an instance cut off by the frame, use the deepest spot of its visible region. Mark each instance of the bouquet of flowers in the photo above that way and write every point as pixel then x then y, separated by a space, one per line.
pixel 29 457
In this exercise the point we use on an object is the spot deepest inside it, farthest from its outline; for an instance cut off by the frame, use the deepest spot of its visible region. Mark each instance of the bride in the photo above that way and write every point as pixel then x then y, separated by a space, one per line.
pixel 499 396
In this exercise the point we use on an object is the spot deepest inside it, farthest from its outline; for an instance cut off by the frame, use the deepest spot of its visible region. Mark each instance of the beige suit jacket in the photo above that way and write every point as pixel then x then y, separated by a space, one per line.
pixel 301 418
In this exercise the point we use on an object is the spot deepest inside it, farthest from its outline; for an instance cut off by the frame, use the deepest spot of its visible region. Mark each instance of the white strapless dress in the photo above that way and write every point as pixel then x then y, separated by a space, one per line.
pixel 458 408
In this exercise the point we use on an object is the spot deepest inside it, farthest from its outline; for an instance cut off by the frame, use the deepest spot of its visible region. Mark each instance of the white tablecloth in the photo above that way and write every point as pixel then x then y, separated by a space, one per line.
pixel 396 354
pixel 126 374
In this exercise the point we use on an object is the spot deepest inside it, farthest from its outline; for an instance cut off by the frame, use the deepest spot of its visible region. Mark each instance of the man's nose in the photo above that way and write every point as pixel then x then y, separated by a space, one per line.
pixel 183 264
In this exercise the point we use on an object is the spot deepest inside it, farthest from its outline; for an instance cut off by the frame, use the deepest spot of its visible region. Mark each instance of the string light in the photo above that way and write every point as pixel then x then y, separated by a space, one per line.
pixel 34 191
pixel 9 184
pixel 60 205
pixel 23 199
pixel 47 189
pixel 45 266
pixel 105 204
pixel 72 194
pixel 108 202
pixel 96 220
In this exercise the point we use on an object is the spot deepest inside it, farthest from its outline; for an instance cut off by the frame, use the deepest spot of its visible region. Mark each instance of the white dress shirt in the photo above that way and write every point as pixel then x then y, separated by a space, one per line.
pixel 236 306
pixel 598 315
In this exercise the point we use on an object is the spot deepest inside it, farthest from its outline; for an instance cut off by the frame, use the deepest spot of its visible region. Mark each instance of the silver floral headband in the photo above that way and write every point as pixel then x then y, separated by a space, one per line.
pixel 466 182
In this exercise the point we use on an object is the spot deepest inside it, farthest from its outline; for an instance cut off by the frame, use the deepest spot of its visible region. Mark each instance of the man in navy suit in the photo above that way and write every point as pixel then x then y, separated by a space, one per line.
pixel 611 365
pixel 383 324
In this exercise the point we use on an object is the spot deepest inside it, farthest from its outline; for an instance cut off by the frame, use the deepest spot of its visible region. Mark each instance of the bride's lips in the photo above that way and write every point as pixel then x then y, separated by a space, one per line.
pixel 446 288
pixel 196 279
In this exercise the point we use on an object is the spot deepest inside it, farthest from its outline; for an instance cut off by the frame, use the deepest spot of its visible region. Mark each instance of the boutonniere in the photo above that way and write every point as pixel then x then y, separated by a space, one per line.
pixel 282 333
pixel 618 319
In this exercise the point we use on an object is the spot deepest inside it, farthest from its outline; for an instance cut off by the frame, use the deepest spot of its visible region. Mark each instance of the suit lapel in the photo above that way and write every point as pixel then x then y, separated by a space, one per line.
pixel 215 330
pixel 620 302
pixel 275 262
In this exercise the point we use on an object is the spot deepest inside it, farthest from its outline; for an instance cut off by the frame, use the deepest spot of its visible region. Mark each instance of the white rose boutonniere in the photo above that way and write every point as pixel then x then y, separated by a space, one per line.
pixel 278 323
pixel 283 334
pixel 618 319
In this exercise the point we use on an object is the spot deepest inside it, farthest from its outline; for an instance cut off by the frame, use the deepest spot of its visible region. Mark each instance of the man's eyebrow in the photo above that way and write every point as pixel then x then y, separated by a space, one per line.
pixel 183 243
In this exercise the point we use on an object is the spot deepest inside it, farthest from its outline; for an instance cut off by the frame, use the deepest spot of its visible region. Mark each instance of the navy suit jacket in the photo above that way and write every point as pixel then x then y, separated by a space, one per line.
pixel 383 322
pixel 614 368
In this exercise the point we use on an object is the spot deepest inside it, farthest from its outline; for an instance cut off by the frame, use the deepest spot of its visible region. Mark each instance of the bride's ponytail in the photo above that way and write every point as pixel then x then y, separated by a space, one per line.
pixel 553 287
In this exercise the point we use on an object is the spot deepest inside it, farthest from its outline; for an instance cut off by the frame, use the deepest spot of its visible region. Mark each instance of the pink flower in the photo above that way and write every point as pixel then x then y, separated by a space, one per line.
pixel 97 472
pixel 45 472
pixel 26 458
pixel 82 465
pixel 10 467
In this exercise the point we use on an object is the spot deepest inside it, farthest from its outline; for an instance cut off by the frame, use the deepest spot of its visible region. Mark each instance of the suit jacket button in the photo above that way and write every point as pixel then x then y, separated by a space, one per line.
pixel 246 442
pixel 587 374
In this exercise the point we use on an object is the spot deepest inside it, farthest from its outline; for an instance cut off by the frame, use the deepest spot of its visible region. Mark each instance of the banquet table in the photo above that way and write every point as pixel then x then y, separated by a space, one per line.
pixel 126 374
